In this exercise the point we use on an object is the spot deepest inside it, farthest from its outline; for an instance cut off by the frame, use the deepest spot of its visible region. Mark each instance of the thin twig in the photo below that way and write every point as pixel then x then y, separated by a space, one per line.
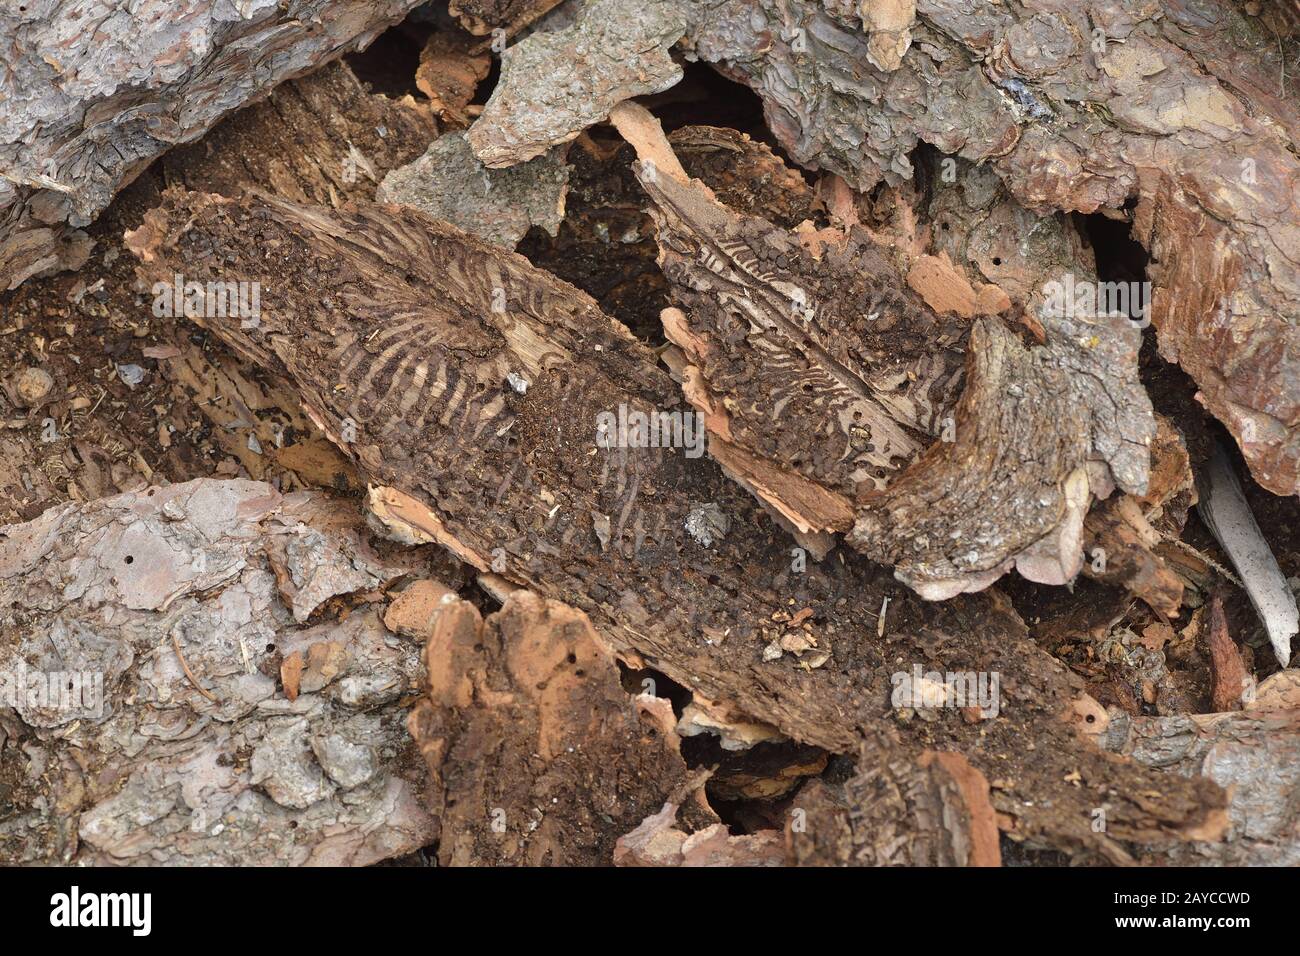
pixel 189 673
pixel 1197 552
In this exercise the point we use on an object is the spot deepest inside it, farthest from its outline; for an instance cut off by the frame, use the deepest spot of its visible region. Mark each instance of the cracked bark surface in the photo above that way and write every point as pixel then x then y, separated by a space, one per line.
pixel 88 108
pixel 412 353
pixel 1076 107
pixel 1254 755
pixel 186 599
pixel 897 809
pixel 832 420
pixel 1180 109
pixel 499 205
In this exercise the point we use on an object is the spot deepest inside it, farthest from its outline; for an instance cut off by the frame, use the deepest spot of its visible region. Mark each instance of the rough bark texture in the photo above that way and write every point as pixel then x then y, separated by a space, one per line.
pixel 897 810
pixel 385 323
pixel 197 412
pixel 185 600
pixel 538 755
pixel 557 83
pixel 1075 107
pixel 95 92
pixel 1255 756
pixel 1180 107
pixel 826 416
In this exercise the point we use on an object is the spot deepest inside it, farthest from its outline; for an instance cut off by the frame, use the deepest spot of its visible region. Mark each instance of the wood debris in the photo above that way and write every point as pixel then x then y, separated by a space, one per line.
pixel 582 432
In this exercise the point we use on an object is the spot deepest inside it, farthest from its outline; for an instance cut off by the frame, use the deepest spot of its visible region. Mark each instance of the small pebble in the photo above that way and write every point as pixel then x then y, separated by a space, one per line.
pixel 133 375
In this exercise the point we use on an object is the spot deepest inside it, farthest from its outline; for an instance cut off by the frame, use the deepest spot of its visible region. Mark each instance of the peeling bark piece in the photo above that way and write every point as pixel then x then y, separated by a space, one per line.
pixel 1015 484
pixel 1254 756
pixel 320 139
pixel 896 810
pixel 449 74
pixel 415 356
pixel 734 731
pixel 537 754
pixel 888 24
pixel 1180 108
pixel 1119 548
pixel 413 610
pixel 149 591
pixel 1226 512
pixel 658 842
pixel 84 129
pixel 1121 544
pixel 1229 675
pixel 825 415
pixel 555 84
pixel 312 566
pixel 499 205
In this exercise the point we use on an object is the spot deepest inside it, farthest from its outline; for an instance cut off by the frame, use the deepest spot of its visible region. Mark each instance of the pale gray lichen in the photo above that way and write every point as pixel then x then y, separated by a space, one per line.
pixel 448 182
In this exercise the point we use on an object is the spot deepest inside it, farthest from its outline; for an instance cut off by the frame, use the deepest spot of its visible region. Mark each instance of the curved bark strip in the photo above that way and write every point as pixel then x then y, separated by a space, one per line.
pixel 1081 107
pixel 93 92
pixel 400 333
pixel 832 373
pixel 1077 107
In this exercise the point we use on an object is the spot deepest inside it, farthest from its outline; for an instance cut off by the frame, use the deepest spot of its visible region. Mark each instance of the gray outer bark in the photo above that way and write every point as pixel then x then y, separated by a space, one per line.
pixel 157 770
pixel 93 92
pixel 1254 756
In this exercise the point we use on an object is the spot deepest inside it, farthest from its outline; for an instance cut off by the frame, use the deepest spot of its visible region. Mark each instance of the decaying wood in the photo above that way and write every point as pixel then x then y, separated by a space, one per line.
pixel 197 412
pixel 511 16
pixel 898 809
pixel 1078 109
pixel 180 602
pixel 841 423
pixel 88 109
pixel 1254 755
pixel 320 139
pixel 408 341
pixel 449 74
pixel 538 755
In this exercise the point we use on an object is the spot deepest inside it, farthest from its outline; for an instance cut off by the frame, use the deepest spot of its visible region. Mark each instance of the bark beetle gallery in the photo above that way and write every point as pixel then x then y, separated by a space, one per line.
pixel 727 432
